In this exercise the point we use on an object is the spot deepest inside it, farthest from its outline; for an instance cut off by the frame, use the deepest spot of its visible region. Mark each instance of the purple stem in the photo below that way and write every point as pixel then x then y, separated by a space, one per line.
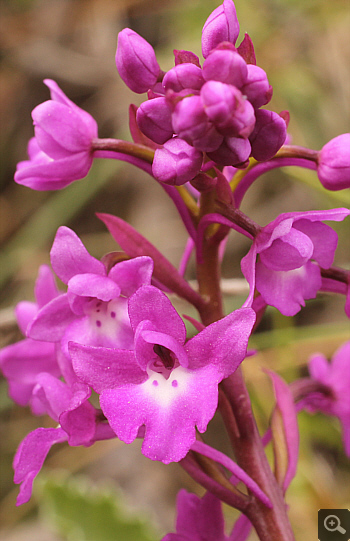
pixel 170 190
pixel 234 499
pixel 216 218
pixel 262 168
pixel 304 387
pixel 224 460
pixel 186 256
pixel 113 155
pixel 270 524
pixel 333 286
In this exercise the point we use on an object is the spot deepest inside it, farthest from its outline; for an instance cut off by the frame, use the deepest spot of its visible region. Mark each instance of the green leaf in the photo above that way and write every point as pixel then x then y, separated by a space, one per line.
pixel 81 512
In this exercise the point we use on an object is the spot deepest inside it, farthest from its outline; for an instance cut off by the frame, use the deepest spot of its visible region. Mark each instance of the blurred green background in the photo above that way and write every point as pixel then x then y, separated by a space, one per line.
pixel 304 47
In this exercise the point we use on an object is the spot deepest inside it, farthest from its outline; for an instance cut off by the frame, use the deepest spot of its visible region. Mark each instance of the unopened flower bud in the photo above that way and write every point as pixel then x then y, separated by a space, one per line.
pixel 233 151
pixel 257 87
pixel 183 76
pixel 136 61
pixel 191 123
pixel 154 120
pixel 268 135
pixel 226 66
pixel 221 25
pixel 334 163
pixel 177 162
pixel 232 114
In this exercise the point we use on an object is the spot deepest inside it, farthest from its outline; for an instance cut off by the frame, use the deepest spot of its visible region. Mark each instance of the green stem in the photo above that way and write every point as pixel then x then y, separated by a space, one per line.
pixel 294 151
pixel 208 272
pixel 124 147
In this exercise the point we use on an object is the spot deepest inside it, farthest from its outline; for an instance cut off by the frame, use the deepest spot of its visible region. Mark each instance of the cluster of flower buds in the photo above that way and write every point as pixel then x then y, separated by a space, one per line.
pixel 214 109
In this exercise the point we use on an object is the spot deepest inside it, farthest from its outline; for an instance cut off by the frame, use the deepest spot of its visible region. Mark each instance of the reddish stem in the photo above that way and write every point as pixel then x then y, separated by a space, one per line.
pixel 124 147
pixel 270 524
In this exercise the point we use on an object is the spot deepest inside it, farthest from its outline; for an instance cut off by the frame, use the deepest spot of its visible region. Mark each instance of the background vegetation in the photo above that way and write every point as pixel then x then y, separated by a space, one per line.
pixel 304 46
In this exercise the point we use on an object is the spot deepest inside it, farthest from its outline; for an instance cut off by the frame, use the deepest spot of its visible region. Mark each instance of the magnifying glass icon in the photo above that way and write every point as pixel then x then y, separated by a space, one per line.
pixel 332 524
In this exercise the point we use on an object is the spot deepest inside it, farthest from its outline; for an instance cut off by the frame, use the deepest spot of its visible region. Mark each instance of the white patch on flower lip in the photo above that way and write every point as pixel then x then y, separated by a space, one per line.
pixel 107 317
pixel 165 391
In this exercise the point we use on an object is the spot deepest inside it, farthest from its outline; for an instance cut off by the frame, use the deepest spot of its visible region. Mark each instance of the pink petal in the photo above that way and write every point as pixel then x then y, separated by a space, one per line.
pixel 150 303
pixel 45 286
pixel 61 127
pixel 132 274
pixel 319 368
pixel 102 330
pixel 248 264
pixel 93 285
pixel 324 239
pixel 53 393
pixel 288 252
pixel 199 518
pixel 288 290
pixel 25 313
pixel 52 320
pixel 104 368
pixel 22 362
pixel 70 257
pixel 30 457
pixel 170 411
pixel 241 529
pixel 152 337
pixel 223 344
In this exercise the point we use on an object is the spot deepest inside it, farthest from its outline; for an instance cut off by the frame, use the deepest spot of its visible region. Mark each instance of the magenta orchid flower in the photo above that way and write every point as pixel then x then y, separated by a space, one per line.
pixel 114 331
pixel 82 428
pixel 94 309
pixel 22 362
pixel 201 519
pixel 336 377
pixel 198 519
pixel 61 151
pixel 165 384
pixel 285 258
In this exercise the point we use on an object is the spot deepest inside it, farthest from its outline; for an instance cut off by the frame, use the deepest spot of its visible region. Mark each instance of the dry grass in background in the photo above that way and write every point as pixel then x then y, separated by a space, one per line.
pixel 304 46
